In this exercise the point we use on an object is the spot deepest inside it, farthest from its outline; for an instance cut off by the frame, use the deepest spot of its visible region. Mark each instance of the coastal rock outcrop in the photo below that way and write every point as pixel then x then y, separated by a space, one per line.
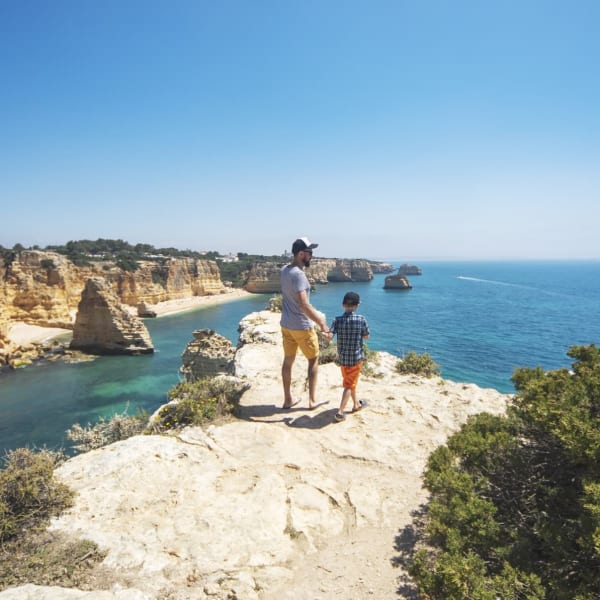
pixel 41 288
pixel 169 279
pixel 103 326
pixel 406 269
pixel 207 355
pixel 397 282
pixel 44 288
pixel 381 267
pixel 350 270
pixel 264 278
pixel 275 505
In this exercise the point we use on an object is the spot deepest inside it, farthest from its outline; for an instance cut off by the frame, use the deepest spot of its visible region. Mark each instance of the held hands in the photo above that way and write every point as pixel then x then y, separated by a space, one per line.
pixel 326 332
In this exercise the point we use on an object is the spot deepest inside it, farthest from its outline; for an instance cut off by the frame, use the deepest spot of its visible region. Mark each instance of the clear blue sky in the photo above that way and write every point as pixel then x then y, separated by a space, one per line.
pixel 384 129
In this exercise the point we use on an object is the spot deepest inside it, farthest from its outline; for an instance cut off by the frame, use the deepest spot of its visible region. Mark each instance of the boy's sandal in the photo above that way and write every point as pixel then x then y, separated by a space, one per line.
pixel 339 417
pixel 362 404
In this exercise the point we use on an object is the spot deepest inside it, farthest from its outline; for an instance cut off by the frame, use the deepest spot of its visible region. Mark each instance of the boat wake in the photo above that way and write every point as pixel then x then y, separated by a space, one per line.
pixel 508 284
pixel 490 281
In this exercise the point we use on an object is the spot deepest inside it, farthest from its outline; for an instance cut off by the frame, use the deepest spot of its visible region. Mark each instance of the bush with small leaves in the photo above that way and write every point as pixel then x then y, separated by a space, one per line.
pixel 418 364
pixel 197 402
pixel 29 493
pixel 275 303
pixel 106 431
pixel 514 509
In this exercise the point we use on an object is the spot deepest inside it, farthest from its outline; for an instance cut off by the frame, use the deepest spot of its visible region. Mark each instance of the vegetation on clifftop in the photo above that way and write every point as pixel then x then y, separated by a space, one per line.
pixel 29 496
pixel 515 499
pixel 127 256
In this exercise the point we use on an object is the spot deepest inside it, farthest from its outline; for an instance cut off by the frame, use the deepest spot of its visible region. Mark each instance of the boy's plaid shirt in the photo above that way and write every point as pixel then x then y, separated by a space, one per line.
pixel 350 329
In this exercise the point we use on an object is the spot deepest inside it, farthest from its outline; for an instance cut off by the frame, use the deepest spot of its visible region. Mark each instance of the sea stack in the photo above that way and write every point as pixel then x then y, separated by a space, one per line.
pixel 104 326
pixel 397 282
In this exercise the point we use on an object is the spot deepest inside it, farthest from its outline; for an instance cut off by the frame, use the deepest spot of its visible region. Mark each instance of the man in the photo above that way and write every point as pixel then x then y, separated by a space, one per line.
pixel 297 317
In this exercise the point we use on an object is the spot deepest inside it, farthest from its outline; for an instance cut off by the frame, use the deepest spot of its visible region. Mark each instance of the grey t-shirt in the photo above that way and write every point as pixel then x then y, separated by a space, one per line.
pixel 293 280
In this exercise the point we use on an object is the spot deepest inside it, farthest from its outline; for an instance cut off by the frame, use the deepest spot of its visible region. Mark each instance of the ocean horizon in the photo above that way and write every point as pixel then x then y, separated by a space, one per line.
pixel 479 320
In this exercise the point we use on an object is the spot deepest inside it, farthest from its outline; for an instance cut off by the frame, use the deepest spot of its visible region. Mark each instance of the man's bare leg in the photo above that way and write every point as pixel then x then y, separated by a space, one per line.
pixel 286 377
pixel 313 371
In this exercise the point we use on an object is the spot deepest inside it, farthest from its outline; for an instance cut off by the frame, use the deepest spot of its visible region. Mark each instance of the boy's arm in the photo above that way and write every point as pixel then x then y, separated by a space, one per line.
pixel 366 333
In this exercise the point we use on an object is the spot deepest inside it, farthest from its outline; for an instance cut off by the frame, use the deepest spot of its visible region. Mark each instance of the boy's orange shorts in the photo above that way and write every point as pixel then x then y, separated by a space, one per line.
pixel 350 375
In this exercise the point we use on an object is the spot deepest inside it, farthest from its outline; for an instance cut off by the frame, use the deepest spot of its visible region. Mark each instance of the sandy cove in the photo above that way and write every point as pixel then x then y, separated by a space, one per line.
pixel 22 334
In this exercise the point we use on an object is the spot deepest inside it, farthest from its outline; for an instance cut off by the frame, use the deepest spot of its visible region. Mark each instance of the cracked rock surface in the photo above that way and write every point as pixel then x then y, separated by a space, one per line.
pixel 276 504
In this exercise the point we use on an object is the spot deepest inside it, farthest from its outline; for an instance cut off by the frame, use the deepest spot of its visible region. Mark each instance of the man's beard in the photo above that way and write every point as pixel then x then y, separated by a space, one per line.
pixel 306 263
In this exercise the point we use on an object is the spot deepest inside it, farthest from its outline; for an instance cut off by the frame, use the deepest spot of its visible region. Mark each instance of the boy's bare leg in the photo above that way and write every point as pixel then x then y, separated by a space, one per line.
pixel 345 397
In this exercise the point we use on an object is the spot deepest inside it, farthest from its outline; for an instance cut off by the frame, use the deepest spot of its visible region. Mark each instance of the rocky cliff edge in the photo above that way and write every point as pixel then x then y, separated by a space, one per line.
pixel 277 504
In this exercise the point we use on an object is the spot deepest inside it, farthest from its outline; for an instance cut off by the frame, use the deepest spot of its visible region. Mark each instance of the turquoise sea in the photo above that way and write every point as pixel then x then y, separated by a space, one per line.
pixel 478 320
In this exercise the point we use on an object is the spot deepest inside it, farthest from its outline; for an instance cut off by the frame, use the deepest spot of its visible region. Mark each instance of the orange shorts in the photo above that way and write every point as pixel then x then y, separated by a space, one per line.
pixel 350 375
pixel 305 339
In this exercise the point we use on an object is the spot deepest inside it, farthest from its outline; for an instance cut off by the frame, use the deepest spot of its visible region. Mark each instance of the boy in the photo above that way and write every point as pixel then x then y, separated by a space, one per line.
pixel 351 330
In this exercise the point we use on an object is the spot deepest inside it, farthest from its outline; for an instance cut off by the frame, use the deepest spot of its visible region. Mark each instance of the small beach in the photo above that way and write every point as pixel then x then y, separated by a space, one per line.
pixel 22 334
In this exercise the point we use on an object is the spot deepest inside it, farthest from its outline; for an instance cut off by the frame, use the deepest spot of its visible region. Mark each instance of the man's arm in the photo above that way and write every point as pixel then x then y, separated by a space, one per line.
pixel 311 312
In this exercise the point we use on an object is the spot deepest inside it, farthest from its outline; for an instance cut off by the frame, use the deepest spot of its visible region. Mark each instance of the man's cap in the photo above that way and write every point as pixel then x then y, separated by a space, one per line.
pixel 302 243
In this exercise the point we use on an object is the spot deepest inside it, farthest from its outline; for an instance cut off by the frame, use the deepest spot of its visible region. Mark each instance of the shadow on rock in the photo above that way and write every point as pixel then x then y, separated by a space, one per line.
pixel 405 544
pixel 260 412
pixel 317 421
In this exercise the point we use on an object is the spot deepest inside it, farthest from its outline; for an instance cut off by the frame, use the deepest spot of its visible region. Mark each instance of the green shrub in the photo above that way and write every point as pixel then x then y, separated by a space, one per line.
pixel 275 303
pixel 160 277
pixel 127 262
pixel 197 402
pixel 418 364
pixel 514 507
pixel 106 431
pixel 328 354
pixel 29 493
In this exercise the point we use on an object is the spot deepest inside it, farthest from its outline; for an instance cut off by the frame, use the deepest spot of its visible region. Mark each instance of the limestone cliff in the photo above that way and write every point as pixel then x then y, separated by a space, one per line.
pixel 44 288
pixel 103 326
pixel 207 355
pixel 381 267
pixel 173 279
pixel 350 270
pixel 264 277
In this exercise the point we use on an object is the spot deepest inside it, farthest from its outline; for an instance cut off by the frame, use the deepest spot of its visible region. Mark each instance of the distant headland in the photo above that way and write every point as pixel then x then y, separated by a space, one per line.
pixel 43 287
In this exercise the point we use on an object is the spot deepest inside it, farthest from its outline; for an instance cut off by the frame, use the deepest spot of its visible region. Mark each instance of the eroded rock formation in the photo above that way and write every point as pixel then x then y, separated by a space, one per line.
pixel 406 269
pixel 44 288
pixel 264 278
pixel 397 282
pixel 350 270
pixel 171 279
pixel 207 355
pixel 104 326
pixel 381 267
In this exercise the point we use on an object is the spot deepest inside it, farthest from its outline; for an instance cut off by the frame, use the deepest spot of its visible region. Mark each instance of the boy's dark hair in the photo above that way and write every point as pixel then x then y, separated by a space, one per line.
pixel 351 299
